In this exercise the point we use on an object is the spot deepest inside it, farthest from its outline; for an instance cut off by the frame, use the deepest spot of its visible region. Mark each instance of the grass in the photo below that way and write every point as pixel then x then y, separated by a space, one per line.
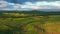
pixel 28 24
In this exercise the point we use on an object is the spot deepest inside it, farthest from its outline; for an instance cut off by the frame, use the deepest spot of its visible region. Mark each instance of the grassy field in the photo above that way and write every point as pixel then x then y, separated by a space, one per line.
pixel 23 23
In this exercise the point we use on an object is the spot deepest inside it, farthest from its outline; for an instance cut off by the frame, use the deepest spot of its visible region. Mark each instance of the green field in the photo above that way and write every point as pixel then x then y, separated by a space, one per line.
pixel 29 23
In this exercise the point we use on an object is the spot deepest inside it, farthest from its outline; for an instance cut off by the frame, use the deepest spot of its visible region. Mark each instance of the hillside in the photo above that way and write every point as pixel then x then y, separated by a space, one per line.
pixel 29 22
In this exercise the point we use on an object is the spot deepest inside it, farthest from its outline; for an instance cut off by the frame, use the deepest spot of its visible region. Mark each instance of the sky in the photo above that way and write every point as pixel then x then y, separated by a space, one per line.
pixel 27 5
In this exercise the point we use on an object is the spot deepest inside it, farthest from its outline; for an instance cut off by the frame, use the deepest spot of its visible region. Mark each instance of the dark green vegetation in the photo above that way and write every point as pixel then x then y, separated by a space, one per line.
pixel 33 22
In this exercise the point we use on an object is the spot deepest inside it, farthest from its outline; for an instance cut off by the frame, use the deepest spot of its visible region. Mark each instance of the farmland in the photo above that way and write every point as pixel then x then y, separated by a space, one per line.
pixel 29 23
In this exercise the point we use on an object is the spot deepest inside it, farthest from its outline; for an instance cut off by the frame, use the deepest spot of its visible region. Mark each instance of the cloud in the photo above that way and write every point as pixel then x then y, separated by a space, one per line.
pixel 22 1
pixel 30 5
pixel 42 5
pixel 8 6
pixel 3 3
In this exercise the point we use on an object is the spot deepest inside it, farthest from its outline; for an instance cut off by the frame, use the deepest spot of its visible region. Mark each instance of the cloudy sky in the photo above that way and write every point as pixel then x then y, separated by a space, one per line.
pixel 30 5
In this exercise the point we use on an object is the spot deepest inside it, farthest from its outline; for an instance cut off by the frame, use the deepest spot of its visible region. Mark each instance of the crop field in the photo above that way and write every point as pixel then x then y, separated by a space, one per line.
pixel 21 23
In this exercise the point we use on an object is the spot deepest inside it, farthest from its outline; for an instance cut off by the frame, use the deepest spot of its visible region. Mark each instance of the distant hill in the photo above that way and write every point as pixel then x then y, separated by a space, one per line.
pixel 34 12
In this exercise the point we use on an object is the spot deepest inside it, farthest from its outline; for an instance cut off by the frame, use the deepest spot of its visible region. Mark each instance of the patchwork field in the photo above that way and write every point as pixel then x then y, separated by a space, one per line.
pixel 19 23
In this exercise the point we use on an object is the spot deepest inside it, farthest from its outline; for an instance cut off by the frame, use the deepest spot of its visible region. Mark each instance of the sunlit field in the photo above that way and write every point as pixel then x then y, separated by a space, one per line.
pixel 26 23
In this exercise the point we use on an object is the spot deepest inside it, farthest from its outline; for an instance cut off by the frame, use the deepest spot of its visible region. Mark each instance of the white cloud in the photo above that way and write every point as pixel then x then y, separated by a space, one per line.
pixel 9 6
pixel 45 5
pixel 17 6
pixel 3 3
pixel 29 5
pixel 42 5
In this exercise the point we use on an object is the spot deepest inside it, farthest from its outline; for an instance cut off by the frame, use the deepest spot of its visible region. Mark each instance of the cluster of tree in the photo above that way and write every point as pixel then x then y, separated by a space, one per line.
pixel 27 13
